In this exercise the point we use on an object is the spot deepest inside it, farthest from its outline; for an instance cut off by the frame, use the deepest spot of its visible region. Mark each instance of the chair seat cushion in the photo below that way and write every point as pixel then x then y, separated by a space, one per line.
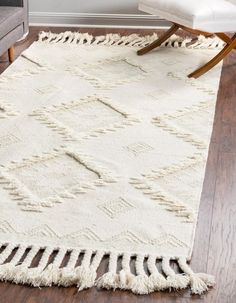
pixel 206 15
pixel 10 18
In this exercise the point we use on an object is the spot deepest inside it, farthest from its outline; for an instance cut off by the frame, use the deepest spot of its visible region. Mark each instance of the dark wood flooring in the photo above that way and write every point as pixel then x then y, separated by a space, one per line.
pixel 215 242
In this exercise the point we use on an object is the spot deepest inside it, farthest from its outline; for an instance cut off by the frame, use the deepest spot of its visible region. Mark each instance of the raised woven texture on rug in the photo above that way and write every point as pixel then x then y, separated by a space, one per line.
pixel 103 153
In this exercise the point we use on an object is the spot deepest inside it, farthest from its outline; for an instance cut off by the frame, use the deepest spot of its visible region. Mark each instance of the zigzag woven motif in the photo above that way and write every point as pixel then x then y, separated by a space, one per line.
pixel 103 153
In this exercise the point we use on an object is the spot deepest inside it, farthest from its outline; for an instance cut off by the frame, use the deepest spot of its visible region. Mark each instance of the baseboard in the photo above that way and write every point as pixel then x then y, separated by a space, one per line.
pixel 96 20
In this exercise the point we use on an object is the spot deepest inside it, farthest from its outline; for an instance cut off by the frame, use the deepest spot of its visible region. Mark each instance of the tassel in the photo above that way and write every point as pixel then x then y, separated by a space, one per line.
pixel 51 273
pixel 110 280
pixel 86 277
pixel 21 272
pixel 34 274
pixel 7 272
pixel 126 279
pixel 199 282
pixel 8 269
pixel 68 275
pixel 156 281
pixel 6 253
pixel 125 276
pixel 176 281
pixel 140 283
pixel 208 279
pixel 87 273
pixel 83 272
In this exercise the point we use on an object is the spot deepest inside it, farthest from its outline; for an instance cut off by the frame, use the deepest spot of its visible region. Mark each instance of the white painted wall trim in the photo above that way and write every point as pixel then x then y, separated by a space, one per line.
pixel 96 20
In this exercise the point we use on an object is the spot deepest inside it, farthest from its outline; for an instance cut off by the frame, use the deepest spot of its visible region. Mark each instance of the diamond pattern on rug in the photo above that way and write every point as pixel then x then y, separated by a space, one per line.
pixel 109 73
pixel 85 118
pixel 138 148
pixel 189 123
pixel 6 228
pixel 43 180
pixel 200 85
pixel 161 95
pixel 127 237
pixel 194 118
pixel 8 139
pixel 168 240
pixel 41 231
pixel 115 208
pixel 83 234
pixel 164 186
pixel 47 90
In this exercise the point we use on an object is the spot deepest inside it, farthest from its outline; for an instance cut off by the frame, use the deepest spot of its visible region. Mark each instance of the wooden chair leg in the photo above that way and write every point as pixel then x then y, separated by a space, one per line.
pixel 159 41
pixel 224 52
pixel 195 31
pixel 11 54
pixel 224 37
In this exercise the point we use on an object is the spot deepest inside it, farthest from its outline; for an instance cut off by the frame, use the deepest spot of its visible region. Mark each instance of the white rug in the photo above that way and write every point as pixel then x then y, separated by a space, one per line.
pixel 102 153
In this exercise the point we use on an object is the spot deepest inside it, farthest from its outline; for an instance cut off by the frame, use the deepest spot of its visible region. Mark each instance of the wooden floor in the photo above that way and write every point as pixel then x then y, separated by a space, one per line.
pixel 215 242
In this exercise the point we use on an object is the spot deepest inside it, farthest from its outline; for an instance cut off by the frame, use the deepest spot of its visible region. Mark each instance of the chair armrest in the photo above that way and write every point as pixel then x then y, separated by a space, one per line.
pixel 21 3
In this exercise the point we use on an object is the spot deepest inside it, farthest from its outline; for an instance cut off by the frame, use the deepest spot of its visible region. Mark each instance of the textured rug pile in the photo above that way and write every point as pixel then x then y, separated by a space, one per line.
pixel 103 153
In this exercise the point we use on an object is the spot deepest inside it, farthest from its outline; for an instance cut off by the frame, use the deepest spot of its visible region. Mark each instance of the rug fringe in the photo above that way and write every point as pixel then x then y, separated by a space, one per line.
pixel 77 38
pixel 17 265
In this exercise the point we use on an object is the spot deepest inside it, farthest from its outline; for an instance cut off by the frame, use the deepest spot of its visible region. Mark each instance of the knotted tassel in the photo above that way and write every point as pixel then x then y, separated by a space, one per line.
pixel 82 271
pixel 87 273
pixel 199 282
pixel 21 274
pixel 176 281
pixel 140 283
pixel 156 281
pixel 8 270
pixel 125 275
pixel 35 273
pixel 110 280
pixel 68 275
pixel 51 274
pixel 6 253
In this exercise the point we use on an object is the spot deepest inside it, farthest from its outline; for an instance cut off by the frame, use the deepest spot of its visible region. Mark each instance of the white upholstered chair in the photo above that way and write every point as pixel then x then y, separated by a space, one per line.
pixel 206 17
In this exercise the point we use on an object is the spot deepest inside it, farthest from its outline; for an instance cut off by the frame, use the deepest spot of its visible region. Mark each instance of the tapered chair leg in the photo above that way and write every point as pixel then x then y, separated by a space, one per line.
pixel 159 41
pixel 224 52
pixel 225 38
pixel 11 54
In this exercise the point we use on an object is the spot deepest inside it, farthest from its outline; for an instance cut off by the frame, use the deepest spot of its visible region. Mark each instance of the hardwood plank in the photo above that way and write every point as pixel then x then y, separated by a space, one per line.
pixel 10 293
pixel 222 248
pixel 228 80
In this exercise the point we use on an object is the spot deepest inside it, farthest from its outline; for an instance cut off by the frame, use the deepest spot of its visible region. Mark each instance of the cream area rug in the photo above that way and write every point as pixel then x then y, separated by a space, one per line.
pixel 103 153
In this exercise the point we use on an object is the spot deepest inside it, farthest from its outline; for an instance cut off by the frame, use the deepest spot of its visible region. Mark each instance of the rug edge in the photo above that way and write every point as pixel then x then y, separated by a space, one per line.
pixel 77 38
pixel 16 267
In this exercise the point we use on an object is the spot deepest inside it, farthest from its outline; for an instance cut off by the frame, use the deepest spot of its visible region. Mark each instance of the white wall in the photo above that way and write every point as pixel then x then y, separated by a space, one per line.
pixel 85 6
pixel 121 13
